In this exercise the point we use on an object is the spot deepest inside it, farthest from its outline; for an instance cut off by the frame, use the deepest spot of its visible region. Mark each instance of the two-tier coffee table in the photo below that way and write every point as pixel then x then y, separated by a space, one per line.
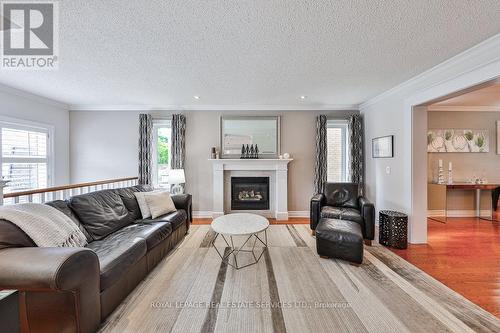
pixel 240 224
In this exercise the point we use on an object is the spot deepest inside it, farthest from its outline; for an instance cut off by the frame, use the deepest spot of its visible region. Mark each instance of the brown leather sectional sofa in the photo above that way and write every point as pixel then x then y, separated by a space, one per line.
pixel 75 289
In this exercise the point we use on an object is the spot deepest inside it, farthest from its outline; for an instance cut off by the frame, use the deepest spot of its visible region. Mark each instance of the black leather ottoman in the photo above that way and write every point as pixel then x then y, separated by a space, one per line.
pixel 340 239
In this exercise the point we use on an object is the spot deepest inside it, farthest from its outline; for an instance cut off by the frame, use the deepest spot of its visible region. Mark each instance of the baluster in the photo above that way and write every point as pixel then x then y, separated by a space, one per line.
pixel 16 200
pixel 42 197
pixel 30 198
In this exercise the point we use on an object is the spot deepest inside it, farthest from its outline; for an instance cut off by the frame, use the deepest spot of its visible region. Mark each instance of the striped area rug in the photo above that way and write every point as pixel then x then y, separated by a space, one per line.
pixel 291 289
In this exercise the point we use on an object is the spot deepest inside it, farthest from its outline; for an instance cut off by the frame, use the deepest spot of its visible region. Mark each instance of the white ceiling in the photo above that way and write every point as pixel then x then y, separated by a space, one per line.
pixel 251 53
pixel 484 99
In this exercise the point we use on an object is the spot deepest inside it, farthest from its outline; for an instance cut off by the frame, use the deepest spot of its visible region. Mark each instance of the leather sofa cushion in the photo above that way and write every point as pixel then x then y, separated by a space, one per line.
pixel 340 213
pixel 101 212
pixel 62 206
pixel 129 200
pixel 117 254
pixel 152 232
pixel 176 219
pixel 341 195
pixel 12 236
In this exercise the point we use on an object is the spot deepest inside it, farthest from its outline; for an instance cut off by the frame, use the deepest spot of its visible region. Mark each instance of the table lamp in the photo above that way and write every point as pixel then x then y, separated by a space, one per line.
pixel 175 178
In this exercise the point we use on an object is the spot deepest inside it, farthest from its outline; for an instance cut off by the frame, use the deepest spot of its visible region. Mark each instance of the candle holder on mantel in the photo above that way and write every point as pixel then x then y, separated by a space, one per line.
pixel 249 152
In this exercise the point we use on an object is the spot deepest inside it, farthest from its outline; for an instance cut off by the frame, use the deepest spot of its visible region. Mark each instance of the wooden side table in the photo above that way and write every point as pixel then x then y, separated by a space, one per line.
pixel 9 311
pixel 393 229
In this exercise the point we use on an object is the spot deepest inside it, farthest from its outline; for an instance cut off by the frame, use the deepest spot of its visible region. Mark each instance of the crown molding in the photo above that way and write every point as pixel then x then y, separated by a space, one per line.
pixel 463 108
pixel 471 53
pixel 305 107
pixel 33 97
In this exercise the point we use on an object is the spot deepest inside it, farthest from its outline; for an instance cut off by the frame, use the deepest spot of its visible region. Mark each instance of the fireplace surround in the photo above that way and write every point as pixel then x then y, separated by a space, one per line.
pixel 274 169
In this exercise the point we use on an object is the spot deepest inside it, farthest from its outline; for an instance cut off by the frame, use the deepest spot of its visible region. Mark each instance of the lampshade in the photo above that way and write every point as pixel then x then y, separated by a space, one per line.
pixel 176 176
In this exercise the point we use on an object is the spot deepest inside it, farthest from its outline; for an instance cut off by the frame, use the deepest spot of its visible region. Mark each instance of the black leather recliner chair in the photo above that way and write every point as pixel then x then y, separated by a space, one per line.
pixel 341 201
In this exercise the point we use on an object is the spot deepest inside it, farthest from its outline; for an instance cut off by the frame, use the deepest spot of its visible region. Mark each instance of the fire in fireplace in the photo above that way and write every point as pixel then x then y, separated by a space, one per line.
pixel 249 193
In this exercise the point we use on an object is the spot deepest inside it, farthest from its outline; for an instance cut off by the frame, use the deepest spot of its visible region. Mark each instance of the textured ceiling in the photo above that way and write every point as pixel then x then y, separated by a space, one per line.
pixel 251 53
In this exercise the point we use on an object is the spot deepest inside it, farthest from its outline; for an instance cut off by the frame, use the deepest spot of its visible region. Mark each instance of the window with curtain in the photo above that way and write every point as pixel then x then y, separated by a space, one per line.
pixel 162 152
pixel 337 146
pixel 25 156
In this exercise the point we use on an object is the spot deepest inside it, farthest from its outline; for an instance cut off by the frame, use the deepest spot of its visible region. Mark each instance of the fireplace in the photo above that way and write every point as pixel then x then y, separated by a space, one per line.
pixel 249 193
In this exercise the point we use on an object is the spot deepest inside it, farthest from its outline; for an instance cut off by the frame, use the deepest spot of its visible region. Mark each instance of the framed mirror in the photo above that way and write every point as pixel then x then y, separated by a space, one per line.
pixel 263 131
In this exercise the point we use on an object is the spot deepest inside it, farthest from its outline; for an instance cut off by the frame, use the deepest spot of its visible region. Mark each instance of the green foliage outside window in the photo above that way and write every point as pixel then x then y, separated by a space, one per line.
pixel 163 147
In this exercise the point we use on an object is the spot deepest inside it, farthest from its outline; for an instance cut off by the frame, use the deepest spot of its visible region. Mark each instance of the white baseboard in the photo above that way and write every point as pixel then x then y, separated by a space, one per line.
pixel 202 214
pixel 205 214
pixel 458 213
pixel 436 213
pixel 298 213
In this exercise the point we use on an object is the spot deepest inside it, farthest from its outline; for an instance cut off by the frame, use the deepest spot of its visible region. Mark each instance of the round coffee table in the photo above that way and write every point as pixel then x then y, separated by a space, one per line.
pixel 240 224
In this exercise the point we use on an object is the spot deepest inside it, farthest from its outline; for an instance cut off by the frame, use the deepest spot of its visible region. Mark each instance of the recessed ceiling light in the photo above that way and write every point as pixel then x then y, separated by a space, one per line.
pixel 196 97
pixel 303 97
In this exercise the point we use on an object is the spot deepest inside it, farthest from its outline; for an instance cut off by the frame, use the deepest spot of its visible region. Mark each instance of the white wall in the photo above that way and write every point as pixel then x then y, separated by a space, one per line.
pixel 391 113
pixel 104 145
pixel 24 106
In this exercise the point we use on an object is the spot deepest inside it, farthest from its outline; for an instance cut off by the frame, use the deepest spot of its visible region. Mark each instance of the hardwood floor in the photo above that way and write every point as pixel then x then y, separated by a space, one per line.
pixel 292 220
pixel 463 254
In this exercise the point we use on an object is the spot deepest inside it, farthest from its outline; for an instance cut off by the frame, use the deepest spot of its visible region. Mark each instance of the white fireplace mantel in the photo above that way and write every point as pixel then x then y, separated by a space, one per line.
pixel 276 169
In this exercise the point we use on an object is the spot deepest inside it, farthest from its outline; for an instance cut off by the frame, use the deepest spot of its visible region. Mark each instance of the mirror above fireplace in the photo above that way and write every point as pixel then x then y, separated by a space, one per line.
pixel 263 131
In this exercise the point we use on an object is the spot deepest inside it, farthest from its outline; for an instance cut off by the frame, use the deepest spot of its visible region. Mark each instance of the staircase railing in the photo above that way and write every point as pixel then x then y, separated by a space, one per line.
pixel 61 192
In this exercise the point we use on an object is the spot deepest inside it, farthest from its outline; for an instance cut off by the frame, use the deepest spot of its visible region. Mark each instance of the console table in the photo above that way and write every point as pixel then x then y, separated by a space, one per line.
pixel 437 192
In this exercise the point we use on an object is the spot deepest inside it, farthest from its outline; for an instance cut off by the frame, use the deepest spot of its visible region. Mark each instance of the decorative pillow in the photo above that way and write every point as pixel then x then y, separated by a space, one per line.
pixel 160 203
pixel 143 206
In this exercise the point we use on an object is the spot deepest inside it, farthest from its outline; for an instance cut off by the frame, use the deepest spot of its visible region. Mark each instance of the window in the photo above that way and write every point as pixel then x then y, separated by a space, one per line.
pixel 162 134
pixel 25 156
pixel 337 146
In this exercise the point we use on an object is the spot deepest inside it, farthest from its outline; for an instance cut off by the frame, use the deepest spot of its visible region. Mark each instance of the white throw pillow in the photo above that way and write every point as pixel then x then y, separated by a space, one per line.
pixel 143 206
pixel 160 203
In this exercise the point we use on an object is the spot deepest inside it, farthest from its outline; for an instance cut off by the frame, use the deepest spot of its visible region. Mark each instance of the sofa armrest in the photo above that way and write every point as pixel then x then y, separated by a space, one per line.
pixel 368 213
pixel 317 202
pixel 184 201
pixel 51 278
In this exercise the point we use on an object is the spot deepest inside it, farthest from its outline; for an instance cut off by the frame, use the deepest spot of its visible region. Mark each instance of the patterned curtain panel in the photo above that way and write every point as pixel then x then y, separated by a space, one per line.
pixel 320 168
pixel 356 139
pixel 178 141
pixel 145 148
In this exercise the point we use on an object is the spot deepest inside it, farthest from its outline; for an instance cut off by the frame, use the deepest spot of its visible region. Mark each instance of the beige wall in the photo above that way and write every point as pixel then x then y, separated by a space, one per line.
pixel 465 165
pixel 104 145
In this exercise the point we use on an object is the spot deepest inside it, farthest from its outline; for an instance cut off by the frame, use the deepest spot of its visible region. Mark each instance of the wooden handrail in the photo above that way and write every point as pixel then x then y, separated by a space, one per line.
pixel 66 187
